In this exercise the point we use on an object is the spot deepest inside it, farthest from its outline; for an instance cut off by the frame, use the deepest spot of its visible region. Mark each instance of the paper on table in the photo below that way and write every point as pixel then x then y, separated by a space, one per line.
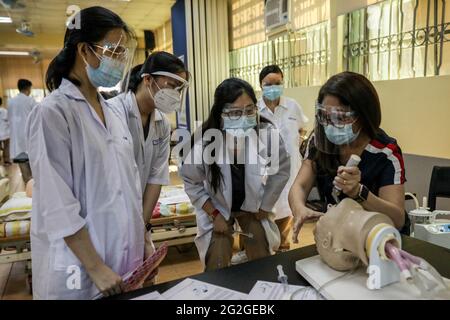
pixel 190 289
pixel 179 198
pixel 264 290
pixel 155 295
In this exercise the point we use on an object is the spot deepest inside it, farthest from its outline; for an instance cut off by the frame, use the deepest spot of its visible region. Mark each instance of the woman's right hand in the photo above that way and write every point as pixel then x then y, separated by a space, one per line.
pixel 106 280
pixel 300 217
pixel 220 224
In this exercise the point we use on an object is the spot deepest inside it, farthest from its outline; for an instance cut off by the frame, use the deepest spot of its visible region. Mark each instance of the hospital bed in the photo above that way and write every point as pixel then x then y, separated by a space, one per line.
pixel 176 223
pixel 14 248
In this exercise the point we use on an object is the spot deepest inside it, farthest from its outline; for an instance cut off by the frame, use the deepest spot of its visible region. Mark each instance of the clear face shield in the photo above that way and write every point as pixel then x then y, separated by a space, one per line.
pixel 171 95
pixel 116 60
pixel 334 128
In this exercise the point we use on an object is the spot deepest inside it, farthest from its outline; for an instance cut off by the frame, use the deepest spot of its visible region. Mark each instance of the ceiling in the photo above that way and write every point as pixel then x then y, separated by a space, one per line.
pixel 48 17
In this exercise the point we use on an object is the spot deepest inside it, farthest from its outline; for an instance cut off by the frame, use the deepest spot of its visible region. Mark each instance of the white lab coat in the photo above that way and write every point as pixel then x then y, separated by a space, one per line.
pixel 151 154
pixel 19 108
pixel 289 119
pixel 261 191
pixel 4 124
pixel 85 176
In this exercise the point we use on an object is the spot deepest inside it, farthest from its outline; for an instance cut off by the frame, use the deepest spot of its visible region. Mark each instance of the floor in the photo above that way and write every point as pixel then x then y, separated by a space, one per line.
pixel 180 262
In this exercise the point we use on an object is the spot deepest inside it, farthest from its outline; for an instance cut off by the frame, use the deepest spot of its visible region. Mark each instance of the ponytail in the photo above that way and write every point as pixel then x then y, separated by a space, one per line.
pixel 60 68
pixel 135 78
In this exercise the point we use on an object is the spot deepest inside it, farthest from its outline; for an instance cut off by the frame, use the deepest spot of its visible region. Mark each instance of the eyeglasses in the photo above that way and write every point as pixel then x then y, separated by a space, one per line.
pixel 235 113
pixel 334 116
pixel 113 51
pixel 174 86
pixel 178 83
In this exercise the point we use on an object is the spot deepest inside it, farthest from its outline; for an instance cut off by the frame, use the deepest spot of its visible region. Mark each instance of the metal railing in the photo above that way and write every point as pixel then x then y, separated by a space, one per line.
pixel 394 39
pixel 303 55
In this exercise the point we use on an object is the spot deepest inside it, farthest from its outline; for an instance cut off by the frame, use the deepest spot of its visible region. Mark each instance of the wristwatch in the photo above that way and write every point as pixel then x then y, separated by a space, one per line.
pixel 148 226
pixel 363 194
pixel 214 214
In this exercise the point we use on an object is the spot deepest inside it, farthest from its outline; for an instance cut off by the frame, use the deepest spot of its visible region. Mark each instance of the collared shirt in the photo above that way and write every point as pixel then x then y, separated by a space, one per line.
pixel 19 108
pixel 289 118
pixel 151 153
pixel 85 176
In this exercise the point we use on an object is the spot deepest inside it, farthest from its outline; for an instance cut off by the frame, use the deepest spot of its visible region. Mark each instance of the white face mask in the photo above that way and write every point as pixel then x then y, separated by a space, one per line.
pixel 169 100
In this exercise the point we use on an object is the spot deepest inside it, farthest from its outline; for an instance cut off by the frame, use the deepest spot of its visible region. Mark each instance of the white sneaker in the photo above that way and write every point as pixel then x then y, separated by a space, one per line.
pixel 239 258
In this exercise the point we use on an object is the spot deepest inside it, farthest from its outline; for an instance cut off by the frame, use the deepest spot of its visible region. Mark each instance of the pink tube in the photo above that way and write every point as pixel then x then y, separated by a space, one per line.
pixel 410 257
pixel 394 254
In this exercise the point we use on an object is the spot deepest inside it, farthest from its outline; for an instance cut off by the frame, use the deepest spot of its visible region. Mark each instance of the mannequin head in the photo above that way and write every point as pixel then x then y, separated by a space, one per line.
pixel 341 234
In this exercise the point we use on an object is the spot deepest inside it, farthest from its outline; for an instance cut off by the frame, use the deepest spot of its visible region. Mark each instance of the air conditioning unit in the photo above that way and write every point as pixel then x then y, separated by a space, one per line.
pixel 276 15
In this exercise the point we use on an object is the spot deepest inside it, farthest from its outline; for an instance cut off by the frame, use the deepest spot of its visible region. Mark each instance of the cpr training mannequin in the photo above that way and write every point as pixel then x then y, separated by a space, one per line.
pixel 341 234
pixel 346 234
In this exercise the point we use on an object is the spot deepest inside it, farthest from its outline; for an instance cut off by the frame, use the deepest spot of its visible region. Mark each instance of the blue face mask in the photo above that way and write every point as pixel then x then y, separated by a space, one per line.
pixel 273 93
pixel 108 74
pixel 240 126
pixel 340 136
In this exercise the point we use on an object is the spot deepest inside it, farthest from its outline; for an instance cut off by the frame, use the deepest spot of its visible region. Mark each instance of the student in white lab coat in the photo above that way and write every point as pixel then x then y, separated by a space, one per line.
pixel 225 191
pixel 87 229
pixel 4 134
pixel 19 108
pixel 155 88
pixel 289 118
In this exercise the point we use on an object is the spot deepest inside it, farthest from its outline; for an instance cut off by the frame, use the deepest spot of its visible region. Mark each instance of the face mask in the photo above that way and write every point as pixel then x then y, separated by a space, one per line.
pixel 166 100
pixel 239 127
pixel 273 93
pixel 108 74
pixel 340 136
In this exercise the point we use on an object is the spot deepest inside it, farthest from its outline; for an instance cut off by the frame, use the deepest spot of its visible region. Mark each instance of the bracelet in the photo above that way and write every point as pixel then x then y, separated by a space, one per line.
pixel 215 213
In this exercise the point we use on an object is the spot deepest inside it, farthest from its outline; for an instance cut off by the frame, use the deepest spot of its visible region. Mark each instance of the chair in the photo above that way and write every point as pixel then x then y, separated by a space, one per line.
pixel 439 185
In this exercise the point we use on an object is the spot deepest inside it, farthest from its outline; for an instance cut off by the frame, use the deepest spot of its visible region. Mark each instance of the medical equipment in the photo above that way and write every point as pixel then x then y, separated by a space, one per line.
pixel 282 278
pixel 348 235
pixel 426 227
pixel 352 162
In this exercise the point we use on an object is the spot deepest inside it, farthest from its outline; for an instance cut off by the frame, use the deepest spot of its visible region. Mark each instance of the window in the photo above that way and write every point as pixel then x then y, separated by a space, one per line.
pixel 246 23
pixel 398 39
pixel 37 94
pixel 303 56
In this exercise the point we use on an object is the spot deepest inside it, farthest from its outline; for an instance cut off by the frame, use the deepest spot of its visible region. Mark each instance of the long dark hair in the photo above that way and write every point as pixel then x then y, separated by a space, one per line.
pixel 357 92
pixel 157 61
pixel 95 23
pixel 227 92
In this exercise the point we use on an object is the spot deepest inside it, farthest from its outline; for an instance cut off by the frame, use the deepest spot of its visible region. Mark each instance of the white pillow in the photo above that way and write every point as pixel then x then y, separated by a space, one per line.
pixel 16 208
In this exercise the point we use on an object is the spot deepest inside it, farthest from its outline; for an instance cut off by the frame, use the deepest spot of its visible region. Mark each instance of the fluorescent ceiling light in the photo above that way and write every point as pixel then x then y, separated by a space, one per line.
pixel 14 53
pixel 5 20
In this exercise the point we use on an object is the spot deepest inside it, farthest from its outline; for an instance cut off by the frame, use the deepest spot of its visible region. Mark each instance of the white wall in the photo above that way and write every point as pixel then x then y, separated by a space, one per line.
pixel 415 111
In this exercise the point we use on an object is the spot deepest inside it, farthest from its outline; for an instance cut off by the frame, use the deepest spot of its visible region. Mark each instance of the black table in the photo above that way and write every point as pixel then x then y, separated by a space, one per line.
pixel 244 276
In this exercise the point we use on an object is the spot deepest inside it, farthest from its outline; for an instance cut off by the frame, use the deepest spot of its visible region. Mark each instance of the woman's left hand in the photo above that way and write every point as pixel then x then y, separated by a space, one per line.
pixel 348 180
